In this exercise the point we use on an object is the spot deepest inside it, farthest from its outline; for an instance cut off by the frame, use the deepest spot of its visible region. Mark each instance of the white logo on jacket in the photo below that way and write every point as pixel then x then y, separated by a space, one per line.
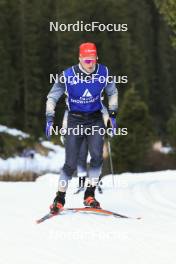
pixel 86 93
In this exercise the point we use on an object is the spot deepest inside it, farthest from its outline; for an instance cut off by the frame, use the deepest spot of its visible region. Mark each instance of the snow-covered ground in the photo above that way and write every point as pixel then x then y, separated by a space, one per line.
pixel 38 164
pixel 76 238
pixel 13 132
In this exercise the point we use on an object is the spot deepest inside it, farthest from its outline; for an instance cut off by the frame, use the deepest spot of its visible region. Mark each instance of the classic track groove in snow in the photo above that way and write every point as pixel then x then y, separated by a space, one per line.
pixel 85 238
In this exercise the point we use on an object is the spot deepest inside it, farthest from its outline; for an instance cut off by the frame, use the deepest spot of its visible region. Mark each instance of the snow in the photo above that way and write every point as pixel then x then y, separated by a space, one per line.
pixel 158 146
pixel 166 150
pixel 79 238
pixel 39 164
pixel 13 132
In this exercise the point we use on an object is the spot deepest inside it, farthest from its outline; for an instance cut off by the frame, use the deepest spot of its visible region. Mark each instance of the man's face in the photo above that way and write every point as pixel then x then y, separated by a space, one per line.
pixel 88 63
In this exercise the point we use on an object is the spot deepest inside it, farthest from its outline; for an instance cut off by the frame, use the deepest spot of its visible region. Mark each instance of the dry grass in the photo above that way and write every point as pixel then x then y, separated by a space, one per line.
pixel 21 176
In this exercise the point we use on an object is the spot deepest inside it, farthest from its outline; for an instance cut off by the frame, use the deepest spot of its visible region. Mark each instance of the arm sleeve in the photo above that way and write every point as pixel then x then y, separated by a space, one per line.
pixel 112 94
pixel 54 95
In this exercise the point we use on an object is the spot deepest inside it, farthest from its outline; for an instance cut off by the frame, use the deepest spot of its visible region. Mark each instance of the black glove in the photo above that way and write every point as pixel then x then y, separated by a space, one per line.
pixel 112 113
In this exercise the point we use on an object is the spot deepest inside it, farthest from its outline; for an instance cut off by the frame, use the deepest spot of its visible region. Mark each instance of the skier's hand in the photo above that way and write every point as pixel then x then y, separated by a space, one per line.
pixel 112 122
pixel 49 124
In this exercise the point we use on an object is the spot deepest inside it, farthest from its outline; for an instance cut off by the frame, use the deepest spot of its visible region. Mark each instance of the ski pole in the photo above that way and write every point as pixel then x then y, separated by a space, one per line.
pixel 111 164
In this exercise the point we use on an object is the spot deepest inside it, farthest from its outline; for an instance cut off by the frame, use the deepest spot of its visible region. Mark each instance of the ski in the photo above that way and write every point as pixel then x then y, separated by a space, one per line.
pixel 45 217
pixel 98 211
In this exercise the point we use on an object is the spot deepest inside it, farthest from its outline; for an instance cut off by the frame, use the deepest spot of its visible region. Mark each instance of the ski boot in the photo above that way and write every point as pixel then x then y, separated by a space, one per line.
pixel 89 198
pixel 58 203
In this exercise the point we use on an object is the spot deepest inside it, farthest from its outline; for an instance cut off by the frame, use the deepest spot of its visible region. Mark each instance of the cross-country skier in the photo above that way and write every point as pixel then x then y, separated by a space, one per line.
pixel 83 84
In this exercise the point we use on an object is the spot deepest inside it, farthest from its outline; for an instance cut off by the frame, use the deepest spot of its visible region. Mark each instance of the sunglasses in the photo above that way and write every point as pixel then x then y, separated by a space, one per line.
pixel 89 61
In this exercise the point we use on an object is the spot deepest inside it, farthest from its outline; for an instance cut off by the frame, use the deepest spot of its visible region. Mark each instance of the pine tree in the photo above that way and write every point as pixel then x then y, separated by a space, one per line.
pixel 9 66
pixel 168 9
pixel 129 151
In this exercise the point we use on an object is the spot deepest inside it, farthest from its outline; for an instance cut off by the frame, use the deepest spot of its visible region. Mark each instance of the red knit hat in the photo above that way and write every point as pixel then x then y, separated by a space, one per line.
pixel 87 49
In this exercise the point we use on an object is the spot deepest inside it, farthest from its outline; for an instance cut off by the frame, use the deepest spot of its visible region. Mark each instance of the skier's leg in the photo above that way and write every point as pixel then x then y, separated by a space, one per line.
pixel 95 145
pixel 72 147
